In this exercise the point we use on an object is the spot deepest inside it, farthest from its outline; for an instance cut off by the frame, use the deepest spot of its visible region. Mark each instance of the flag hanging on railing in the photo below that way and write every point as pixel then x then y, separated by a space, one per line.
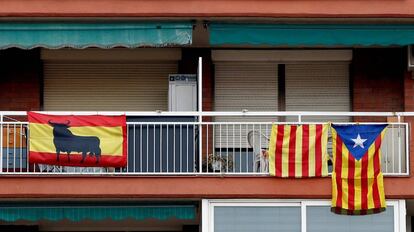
pixel 299 151
pixel 77 140
pixel 357 181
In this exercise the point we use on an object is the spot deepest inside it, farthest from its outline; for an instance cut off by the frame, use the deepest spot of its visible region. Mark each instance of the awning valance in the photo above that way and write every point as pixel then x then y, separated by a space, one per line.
pixel 310 34
pixel 102 35
pixel 96 212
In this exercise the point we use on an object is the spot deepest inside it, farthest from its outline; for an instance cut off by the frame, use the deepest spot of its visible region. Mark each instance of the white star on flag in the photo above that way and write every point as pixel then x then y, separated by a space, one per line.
pixel 358 141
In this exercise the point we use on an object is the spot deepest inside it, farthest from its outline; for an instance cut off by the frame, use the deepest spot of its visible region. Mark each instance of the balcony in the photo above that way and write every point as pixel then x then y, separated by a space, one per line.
pixel 201 143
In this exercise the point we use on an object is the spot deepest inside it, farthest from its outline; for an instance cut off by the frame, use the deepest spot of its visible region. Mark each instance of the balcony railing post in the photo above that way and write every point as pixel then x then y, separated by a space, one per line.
pixel 407 148
pixel 200 114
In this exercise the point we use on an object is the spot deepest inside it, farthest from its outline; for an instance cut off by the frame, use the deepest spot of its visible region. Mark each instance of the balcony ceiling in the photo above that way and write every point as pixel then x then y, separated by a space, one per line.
pixel 207 8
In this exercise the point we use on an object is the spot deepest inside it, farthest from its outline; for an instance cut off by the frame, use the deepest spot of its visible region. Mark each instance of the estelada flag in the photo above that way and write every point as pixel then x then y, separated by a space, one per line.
pixel 77 140
pixel 299 151
pixel 357 181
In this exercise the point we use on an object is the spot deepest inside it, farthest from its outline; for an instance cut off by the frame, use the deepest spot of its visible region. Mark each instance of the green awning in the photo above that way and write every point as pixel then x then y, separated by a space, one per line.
pixel 96 212
pixel 310 34
pixel 102 35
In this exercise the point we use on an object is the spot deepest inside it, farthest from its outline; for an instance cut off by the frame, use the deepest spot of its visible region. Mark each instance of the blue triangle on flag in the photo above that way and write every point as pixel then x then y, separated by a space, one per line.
pixel 358 138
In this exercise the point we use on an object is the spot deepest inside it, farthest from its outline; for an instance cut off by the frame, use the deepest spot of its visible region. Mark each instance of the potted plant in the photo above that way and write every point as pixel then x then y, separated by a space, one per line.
pixel 218 163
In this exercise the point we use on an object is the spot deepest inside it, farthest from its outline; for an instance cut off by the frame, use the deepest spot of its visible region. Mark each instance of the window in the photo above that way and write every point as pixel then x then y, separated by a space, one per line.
pixel 319 219
pixel 295 216
pixel 256 218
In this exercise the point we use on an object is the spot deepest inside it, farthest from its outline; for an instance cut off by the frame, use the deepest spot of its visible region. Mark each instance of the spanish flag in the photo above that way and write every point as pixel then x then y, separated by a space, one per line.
pixel 357 181
pixel 77 140
pixel 298 151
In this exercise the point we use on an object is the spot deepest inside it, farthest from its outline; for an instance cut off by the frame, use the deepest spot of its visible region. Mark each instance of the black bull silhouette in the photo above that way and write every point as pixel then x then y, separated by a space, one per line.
pixel 65 141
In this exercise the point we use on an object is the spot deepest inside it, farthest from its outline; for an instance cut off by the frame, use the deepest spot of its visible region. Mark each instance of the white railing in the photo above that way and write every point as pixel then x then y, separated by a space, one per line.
pixel 241 148
pixel 162 147
pixel 179 143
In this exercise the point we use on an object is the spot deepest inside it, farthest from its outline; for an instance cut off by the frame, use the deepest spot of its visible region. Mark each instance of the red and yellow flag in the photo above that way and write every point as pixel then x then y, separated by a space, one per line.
pixel 78 140
pixel 357 181
pixel 298 151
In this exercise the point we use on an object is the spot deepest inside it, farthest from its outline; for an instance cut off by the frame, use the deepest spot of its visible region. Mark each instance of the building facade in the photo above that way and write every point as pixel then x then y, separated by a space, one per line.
pixel 196 140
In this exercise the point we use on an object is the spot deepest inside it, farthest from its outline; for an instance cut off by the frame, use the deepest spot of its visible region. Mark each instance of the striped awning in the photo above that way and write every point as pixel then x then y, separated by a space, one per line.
pixel 55 35
pixel 76 213
pixel 311 34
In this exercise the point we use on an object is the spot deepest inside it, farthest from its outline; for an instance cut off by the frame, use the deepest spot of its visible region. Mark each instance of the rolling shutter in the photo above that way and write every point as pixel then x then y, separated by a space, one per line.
pixel 116 84
pixel 244 85
pixel 318 87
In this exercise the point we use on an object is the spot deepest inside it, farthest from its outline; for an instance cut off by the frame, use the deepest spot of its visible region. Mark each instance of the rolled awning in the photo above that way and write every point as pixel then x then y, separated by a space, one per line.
pixel 311 34
pixel 102 35
pixel 96 212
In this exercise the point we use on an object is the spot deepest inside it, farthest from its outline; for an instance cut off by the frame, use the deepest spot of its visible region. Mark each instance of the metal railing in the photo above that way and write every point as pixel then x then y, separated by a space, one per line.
pixel 232 151
pixel 230 143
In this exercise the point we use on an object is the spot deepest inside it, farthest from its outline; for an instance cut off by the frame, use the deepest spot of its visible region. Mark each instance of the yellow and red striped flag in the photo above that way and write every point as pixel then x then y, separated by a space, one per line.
pixel 357 181
pixel 77 140
pixel 299 151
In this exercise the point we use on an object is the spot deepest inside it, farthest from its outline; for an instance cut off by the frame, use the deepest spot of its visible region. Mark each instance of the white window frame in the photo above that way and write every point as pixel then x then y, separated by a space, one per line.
pixel 209 204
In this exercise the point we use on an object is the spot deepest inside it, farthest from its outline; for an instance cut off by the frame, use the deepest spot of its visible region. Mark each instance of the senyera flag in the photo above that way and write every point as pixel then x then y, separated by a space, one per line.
pixel 78 140
pixel 357 181
pixel 299 151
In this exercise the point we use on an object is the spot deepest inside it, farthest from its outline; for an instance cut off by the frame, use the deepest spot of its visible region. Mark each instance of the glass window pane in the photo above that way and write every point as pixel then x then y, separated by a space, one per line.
pixel 257 219
pixel 321 219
